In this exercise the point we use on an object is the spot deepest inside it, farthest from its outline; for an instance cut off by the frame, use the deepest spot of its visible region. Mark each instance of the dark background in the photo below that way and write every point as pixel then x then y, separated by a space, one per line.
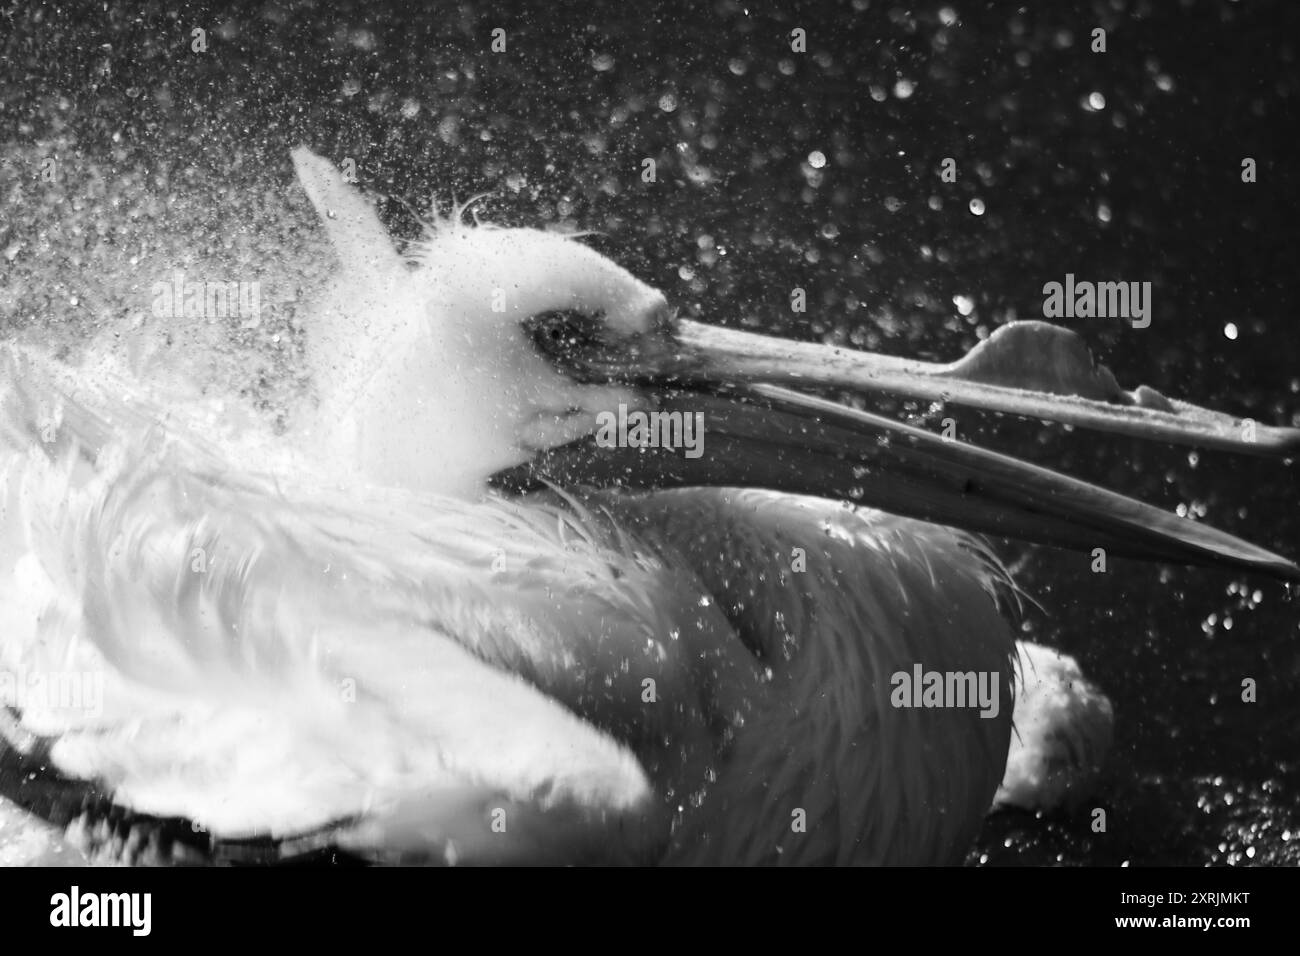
pixel 169 159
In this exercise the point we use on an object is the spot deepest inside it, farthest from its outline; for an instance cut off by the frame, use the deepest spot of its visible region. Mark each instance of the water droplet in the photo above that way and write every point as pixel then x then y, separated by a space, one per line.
pixel 1096 101
pixel 686 273
pixel 1230 331
pixel 668 102
pixel 964 303
pixel 904 89
pixel 977 207
pixel 816 159
pixel 1103 212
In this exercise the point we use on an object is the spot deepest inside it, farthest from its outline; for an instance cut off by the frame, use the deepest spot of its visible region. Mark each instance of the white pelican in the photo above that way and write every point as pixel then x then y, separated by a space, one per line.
pixel 441 621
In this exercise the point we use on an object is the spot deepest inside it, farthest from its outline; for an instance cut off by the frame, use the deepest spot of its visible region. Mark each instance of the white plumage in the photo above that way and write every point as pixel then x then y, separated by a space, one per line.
pixel 1063 730
pixel 339 637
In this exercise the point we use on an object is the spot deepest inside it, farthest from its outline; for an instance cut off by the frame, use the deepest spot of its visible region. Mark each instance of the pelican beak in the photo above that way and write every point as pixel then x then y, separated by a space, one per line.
pixel 753 432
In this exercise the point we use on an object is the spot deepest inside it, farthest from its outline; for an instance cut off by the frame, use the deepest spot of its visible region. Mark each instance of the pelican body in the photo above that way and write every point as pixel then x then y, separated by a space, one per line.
pixel 442 621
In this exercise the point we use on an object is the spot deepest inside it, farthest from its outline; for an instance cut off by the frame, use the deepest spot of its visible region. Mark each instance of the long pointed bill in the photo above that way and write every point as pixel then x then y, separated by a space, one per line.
pixel 1033 369
pixel 762 435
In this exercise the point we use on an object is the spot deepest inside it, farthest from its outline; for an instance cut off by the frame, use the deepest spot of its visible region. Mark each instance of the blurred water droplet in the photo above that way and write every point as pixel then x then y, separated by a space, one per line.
pixel 904 89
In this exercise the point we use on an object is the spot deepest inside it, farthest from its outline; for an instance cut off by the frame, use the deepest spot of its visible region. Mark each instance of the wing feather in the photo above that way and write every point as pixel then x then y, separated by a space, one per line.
pixel 276 655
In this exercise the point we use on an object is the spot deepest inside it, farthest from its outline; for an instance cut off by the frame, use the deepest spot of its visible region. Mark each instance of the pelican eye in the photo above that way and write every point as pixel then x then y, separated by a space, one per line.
pixel 565 333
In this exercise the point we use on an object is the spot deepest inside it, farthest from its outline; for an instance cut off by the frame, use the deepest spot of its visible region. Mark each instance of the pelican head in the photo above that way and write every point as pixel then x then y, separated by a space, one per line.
pixel 502 307
pixel 494 357
pixel 535 279
pixel 435 370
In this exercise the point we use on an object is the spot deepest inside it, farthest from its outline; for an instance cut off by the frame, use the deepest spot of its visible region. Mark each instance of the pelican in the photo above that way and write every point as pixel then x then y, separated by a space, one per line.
pixel 466 610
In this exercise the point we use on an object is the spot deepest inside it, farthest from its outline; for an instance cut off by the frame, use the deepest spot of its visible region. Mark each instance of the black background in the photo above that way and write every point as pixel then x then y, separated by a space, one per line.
pixel 172 159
